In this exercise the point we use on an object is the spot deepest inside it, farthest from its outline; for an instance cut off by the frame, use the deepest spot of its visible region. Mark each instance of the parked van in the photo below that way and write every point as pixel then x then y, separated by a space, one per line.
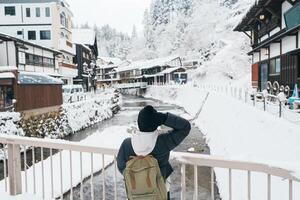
pixel 73 93
pixel 71 89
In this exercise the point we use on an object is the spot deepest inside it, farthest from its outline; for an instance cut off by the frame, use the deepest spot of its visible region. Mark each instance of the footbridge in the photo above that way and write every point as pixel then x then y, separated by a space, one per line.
pixel 67 164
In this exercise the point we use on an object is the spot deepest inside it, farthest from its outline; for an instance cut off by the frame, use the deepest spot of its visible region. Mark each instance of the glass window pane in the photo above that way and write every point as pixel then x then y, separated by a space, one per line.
pixel 47 12
pixel 45 35
pixel 37 12
pixel 28 14
pixel 10 10
pixel 278 66
pixel 272 66
pixel 31 35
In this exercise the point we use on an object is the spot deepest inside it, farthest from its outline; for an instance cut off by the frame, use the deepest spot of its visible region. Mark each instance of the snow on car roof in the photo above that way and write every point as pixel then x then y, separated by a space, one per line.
pixel 38 78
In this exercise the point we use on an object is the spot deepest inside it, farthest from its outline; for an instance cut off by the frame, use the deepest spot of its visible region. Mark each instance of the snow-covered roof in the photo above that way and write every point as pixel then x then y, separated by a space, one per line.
pixel 146 64
pixel 83 36
pixel 38 78
pixel 170 70
pixel 6 75
pixel 8 68
pixel 122 64
pixel 113 60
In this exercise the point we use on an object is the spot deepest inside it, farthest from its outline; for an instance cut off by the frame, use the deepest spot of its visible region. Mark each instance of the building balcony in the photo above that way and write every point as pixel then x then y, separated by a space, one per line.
pixel 265 29
pixel 66 46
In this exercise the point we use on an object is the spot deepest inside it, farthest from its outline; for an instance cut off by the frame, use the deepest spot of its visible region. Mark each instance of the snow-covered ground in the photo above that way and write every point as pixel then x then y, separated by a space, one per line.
pixel 5 196
pixel 9 123
pixel 239 131
pixel 111 137
pixel 96 108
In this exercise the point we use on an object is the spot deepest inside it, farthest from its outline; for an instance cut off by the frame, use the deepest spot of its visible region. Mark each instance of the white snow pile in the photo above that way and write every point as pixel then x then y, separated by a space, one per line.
pixel 85 113
pixel 6 196
pixel 9 123
pixel 238 131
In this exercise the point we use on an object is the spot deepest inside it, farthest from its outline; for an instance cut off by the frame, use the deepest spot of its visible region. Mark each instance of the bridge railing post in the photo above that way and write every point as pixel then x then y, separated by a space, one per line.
pixel 14 169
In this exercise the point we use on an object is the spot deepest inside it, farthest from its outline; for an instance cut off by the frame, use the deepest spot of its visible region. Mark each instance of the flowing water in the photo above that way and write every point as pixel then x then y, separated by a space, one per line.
pixel 128 115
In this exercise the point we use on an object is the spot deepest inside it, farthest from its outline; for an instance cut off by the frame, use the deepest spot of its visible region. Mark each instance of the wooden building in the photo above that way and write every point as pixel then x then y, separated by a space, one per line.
pixel 273 27
pixel 147 71
pixel 28 75
pixel 85 41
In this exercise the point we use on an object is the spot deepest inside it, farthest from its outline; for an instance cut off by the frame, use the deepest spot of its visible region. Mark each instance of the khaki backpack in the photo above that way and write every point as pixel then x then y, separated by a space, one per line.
pixel 143 179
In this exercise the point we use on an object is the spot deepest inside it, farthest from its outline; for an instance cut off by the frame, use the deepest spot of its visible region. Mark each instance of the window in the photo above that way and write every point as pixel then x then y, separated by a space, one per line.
pixel 298 66
pixel 45 35
pixel 19 32
pixel 47 12
pixel 37 12
pixel 275 66
pixel 31 35
pixel 28 14
pixel 10 10
pixel 63 20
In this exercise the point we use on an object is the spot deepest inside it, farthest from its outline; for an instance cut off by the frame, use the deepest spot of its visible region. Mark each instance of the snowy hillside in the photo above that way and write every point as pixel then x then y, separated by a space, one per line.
pixel 193 29
pixel 197 29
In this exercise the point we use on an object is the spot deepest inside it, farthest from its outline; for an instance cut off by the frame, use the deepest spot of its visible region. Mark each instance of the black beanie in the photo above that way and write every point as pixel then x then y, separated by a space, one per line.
pixel 147 119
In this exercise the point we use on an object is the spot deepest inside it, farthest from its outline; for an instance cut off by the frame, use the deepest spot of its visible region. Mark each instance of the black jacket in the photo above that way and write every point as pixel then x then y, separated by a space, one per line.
pixel 164 144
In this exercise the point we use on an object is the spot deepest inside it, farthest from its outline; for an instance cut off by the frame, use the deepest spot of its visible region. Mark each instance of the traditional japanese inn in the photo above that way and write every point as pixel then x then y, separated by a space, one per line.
pixel 274 29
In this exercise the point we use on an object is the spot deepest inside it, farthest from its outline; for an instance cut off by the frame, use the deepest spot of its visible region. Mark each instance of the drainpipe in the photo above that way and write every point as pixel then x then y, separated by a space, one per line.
pixel 15 85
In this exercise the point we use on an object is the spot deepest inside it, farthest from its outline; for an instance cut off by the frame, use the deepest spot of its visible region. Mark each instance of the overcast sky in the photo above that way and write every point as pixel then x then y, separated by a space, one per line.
pixel 120 14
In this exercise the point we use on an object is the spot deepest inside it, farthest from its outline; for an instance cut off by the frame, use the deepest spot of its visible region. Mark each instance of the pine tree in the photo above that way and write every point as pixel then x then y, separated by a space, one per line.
pixel 134 33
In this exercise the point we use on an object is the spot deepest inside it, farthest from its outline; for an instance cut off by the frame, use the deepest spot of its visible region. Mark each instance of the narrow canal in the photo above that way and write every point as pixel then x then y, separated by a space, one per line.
pixel 128 115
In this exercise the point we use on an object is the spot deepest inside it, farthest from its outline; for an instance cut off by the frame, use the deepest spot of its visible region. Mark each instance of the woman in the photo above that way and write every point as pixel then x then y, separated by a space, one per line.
pixel 148 142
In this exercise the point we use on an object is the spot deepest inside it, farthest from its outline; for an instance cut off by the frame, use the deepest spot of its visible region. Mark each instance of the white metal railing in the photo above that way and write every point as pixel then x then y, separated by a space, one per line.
pixel 17 182
pixel 269 103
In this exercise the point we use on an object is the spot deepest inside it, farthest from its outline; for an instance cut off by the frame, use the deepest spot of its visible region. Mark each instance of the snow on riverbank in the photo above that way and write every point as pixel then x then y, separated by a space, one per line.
pixel 5 196
pixel 9 123
pixel 111 137
pixel 85 113
pixel 238 131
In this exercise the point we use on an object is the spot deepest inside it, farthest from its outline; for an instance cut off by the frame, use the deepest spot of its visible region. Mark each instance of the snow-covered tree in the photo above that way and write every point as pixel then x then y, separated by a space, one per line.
pixel 134 33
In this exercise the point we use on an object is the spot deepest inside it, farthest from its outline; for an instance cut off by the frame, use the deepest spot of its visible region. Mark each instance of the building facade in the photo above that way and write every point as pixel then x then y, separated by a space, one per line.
pixel 44 22
pixel 148 70
pixel 274 30
pixel 26 75
pixel 85 41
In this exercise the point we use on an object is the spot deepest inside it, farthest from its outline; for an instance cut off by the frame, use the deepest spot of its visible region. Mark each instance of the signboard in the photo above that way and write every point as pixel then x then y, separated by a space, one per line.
pixel 292 17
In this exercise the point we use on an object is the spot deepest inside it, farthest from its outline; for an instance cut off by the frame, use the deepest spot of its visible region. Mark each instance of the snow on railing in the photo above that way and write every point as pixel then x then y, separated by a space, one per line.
pixel 141 85
pixel 74 162
pixel 273 104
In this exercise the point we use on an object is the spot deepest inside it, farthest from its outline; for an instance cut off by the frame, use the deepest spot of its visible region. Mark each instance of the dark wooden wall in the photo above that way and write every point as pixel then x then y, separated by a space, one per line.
pixel 38 96
pixel 288 75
